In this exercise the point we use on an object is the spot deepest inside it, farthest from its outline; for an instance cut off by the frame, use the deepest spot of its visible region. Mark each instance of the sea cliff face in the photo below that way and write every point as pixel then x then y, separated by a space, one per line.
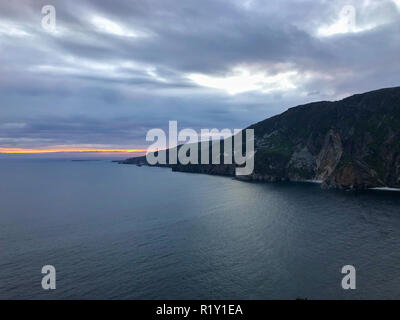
pixel 349 144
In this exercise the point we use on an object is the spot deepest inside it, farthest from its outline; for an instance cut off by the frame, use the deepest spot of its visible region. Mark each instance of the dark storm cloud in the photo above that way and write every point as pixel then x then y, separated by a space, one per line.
pixel 113 70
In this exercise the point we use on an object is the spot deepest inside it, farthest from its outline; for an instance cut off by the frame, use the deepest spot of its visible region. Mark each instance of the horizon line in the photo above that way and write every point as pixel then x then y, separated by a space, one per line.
pixel 68 150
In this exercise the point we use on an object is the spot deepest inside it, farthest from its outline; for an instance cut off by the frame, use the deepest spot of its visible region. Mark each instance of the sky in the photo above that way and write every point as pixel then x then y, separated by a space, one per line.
pixel 112 70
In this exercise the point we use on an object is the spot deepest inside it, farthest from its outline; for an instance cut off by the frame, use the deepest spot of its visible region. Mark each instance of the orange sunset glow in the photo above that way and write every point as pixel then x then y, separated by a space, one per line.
pixel 64 150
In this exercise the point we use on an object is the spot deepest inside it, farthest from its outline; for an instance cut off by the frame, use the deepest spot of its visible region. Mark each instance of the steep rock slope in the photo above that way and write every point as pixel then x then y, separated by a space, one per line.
pixel 350 144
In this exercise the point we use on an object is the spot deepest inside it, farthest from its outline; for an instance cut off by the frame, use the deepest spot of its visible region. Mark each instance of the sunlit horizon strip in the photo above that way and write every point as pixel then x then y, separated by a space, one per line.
pixel 68 150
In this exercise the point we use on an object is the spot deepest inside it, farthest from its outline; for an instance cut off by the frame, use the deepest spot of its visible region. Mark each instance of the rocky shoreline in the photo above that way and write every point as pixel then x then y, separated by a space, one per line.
pixel 353 143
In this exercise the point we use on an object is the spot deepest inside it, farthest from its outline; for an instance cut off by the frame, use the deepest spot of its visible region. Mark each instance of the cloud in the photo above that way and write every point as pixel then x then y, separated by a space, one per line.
pixel 352 19
pixel 242 80
pixel 111 27
pixel 112 71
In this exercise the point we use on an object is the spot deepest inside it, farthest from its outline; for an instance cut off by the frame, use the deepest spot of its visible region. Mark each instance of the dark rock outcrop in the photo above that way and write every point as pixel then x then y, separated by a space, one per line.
pixel 349 144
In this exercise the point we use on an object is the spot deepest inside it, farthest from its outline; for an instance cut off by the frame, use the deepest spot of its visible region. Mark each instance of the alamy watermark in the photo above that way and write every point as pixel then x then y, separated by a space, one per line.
pixel 49 22
pixel 349 280
pixel 49 280
pixel 348 15
pixel 188 152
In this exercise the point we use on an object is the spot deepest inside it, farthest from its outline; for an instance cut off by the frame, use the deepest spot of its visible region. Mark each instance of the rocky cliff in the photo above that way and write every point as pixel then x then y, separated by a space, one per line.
pixel 349 144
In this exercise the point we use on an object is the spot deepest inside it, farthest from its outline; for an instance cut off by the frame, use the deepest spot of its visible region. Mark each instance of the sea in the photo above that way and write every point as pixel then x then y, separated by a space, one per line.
pixel 115 231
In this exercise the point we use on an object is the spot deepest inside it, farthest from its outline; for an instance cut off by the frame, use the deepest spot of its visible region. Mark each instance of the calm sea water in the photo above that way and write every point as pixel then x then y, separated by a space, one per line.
pixel 123 232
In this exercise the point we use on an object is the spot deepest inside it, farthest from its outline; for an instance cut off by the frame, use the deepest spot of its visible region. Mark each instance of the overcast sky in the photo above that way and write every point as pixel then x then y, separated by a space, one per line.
pixel 112 70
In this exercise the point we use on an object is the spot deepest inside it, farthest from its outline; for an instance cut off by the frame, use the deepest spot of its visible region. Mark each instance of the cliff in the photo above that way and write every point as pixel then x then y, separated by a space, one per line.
pixel 353 143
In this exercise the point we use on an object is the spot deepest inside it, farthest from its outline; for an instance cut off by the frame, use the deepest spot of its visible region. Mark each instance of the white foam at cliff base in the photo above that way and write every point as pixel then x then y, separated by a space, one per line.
pixel 312 181
pixel 386 189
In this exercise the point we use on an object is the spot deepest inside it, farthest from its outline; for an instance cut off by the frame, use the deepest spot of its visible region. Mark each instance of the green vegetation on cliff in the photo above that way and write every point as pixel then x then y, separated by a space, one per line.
pixel 353 143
